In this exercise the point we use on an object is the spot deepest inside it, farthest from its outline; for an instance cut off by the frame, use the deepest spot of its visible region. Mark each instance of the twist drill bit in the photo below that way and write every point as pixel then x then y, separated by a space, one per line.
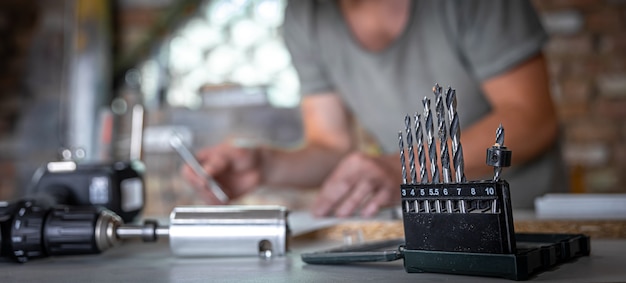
pixel 500 135
pixel 409 141
pixel 498 155
pixel 442 135
pixel 455 135
pixel 499 142
pixel 497 170
pixel 420 148
pixel 402 160
pixel 432 148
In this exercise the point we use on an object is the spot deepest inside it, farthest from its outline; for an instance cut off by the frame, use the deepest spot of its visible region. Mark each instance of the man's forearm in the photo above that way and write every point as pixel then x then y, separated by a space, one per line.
pixel 527 140
pixel 307 167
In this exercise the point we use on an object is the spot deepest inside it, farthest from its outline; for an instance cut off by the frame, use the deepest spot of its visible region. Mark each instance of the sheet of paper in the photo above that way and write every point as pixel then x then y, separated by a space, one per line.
pixel 302 221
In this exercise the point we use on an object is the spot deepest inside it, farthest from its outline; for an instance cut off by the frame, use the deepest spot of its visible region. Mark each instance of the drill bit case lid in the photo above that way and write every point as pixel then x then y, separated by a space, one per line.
pixel 452 225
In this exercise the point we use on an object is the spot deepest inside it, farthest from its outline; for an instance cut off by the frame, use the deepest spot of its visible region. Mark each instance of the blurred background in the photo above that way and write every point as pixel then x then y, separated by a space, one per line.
pixel 72 70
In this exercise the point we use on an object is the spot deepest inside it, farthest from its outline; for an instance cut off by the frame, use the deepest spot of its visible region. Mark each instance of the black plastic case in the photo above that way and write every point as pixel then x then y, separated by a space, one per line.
pixel 535 253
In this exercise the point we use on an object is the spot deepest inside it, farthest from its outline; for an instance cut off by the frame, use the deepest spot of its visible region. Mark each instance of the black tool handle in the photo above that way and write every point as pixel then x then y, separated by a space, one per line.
pixel 71 231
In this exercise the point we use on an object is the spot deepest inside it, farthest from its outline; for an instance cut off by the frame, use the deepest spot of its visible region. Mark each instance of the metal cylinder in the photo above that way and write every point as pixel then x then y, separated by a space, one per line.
pixel 228 231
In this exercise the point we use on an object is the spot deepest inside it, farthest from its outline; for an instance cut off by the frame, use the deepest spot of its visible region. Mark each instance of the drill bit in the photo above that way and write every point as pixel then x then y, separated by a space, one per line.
pixel 497 170
pixel 455 135
pixel 402 160
pixel 420 148
pixel 442 135
pixel 409 141
pixel 498 155
pixel 432 148
pixel 500 135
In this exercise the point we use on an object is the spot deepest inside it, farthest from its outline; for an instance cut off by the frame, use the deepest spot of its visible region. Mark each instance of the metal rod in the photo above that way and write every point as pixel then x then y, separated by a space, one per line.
pixel 129 232
pixel 462 208
pixel 162 231
pixel 177 143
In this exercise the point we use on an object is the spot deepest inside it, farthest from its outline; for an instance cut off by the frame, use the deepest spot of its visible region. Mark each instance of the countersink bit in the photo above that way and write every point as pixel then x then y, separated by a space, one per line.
pixel 409 141
pixel 455 135
pixel 432 148
pixel 402 160
pixel 498 155
pixel 421 156
pixel 442 135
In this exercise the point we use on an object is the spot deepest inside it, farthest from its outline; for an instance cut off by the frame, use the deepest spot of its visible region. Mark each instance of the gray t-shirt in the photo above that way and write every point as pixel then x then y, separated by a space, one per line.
pixel 453 43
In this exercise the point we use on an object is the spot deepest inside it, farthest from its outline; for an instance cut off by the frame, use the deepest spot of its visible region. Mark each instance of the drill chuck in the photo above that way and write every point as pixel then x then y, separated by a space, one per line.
pixel 32 229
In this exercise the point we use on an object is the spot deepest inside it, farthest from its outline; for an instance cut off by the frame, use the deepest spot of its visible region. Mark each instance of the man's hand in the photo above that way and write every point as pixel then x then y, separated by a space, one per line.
pixel 359 182
pixel 237 170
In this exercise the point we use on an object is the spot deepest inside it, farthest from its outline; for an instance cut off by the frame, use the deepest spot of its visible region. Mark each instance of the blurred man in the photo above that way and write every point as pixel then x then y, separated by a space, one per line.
pixel 374 60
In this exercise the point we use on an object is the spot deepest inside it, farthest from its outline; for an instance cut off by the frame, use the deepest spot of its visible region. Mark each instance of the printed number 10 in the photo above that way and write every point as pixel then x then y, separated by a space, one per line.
pixel 489 191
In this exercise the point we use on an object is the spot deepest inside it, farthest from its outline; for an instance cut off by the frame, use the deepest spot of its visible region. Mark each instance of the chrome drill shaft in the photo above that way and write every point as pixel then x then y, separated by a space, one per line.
pixel 409 141
pixel 402 159
pixel 455 135
pixel 430 140
pixel 442 135
pixel 128 231
pixel 499 142
pixel 421 155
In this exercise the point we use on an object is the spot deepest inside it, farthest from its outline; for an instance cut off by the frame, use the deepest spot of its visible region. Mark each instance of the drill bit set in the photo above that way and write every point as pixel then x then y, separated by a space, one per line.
pixel 453 225
pixel 441 210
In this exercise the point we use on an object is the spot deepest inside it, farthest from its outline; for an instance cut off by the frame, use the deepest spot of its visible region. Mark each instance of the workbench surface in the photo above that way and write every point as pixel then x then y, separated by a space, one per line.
pixel 153 262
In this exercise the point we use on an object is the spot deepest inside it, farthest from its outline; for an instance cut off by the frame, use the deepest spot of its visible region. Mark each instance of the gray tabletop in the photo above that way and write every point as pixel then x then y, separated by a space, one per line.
pixel 153 262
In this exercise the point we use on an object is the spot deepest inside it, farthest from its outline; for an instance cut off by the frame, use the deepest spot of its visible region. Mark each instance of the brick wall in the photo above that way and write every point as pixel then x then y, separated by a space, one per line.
pixel 587 63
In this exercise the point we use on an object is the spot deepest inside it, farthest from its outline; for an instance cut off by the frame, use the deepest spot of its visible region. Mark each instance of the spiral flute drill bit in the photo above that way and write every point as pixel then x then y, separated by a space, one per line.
pixel 409 141
pixel 499 142
pixel 442 135
pixel 500 135
pixel 420 148
pixel 402 160
pixel 432 148
pixel 455 135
